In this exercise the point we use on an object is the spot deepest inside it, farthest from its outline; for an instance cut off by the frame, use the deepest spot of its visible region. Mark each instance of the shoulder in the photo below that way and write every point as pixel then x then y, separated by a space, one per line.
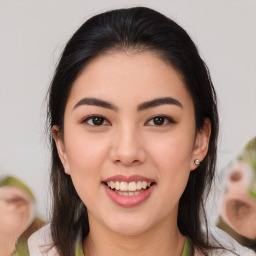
pixel 40 243
pixel 227 242
pixel 235 252
pixel 232 247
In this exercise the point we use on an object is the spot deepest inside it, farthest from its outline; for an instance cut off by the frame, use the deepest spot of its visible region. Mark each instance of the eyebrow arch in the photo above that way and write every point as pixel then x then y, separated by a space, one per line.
pixel 158 102
pixel 95 102
pixel 141 107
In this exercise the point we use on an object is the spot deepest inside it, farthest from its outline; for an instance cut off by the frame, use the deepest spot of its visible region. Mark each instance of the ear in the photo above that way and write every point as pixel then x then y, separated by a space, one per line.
pixel 201 144
pixel 61 148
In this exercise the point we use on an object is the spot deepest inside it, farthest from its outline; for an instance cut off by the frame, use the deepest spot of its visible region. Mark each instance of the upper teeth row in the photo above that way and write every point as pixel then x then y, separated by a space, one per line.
pixel 128 186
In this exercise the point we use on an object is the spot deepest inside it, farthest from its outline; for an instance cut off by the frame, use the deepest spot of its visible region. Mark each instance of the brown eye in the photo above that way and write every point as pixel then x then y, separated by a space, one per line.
pixel 160 121
pixel 96 121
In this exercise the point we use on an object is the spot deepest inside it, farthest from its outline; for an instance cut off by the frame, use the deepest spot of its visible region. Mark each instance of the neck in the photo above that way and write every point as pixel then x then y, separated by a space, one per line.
pixel 161 240
pixel 7 244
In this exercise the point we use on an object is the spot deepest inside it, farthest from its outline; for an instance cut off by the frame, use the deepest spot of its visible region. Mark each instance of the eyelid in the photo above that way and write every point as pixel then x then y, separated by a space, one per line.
pixel 90 117
pixel 169 119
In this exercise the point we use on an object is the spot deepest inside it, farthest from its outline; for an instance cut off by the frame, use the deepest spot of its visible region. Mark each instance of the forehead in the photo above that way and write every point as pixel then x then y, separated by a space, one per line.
pixel 129 76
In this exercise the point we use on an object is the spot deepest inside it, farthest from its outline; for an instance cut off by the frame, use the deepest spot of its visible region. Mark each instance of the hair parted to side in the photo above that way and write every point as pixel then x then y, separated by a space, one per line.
pixel 136 29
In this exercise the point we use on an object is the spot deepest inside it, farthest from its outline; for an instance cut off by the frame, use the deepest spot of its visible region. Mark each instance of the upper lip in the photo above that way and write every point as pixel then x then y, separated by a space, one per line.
pixel 128 178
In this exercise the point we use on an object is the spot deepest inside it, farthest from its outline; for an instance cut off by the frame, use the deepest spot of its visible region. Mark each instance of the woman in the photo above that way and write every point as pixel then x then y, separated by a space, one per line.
pixel 134 124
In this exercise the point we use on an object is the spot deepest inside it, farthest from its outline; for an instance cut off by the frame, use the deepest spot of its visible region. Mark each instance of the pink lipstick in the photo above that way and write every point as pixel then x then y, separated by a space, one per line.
pixel 129 191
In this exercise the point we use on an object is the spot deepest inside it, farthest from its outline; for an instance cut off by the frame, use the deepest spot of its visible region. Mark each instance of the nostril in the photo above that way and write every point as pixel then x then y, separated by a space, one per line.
pixel 235 176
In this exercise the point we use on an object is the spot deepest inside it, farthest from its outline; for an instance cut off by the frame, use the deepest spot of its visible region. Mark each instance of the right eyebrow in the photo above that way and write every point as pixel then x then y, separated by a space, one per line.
pixel 96 102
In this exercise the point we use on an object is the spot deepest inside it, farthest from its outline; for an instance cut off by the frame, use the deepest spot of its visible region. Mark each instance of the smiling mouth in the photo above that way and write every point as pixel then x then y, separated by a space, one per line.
pixel 133 188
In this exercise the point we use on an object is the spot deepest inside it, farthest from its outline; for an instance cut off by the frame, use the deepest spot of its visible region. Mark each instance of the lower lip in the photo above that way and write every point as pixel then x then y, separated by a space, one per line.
pixel 129 201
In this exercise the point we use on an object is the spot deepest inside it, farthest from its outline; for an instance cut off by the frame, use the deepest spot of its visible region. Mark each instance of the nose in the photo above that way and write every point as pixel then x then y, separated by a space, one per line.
pixel 127 148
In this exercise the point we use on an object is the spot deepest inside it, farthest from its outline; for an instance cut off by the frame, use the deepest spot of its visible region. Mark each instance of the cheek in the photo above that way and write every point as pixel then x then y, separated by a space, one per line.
pixel 86 156
pixel 171 153
pixel 85 153
pixel 172 157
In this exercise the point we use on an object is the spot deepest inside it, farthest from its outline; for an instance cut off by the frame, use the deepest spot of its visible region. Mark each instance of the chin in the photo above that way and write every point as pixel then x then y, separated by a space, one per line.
pixel 128 226
pixel 129 231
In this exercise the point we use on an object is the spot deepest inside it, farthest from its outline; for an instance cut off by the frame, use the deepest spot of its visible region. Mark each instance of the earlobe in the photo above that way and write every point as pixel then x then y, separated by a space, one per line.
pixel 60 148
pixel 201 144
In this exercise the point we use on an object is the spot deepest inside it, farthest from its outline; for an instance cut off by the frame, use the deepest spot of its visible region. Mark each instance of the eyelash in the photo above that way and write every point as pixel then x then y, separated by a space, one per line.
pixel 167 120
pixel 90 118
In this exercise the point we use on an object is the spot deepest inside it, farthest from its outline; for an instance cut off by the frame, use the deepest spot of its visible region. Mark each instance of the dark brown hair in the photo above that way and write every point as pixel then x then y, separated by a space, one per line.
pixel 135 29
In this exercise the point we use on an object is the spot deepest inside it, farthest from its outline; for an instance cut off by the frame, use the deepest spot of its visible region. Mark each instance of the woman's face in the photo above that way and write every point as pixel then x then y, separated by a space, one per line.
pixel 130 141
pixel 16 209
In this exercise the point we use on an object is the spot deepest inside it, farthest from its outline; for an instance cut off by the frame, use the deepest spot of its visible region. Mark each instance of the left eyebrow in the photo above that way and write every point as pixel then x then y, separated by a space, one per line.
pixel 158 102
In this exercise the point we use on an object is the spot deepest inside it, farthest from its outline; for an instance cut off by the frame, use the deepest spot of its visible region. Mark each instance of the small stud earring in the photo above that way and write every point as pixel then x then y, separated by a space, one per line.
pixel 197 162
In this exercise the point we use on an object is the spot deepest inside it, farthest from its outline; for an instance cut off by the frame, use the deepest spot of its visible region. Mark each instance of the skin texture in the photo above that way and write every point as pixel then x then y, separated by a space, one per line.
pixel 130 143
pixel 16 210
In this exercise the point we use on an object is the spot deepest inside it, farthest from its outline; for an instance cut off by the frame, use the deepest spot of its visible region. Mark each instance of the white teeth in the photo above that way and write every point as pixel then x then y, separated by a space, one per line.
pixel 117 185
pixel 139 185
pixel 123 186
pixel 112 184
pixel 132 186
pixel 129 187
pixel 121 193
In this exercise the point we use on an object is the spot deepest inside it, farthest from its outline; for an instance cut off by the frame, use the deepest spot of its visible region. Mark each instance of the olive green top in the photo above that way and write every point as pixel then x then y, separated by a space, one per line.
pixel 188 249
